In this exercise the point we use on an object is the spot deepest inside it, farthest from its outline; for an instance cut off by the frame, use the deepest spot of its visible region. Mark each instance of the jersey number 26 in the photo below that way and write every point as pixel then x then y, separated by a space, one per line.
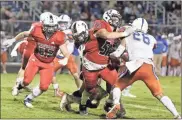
pixel 141 36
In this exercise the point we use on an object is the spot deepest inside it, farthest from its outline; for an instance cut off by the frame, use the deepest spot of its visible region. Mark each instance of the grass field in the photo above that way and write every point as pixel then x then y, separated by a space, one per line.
pixel 47 106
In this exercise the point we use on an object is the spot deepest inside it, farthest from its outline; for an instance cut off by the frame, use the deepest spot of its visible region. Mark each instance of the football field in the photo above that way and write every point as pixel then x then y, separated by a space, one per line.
pixel 47 106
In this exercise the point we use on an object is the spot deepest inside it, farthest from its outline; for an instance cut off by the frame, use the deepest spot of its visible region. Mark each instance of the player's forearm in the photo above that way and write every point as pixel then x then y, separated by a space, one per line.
pixel 114 35
pixel 17 45
pixel 64 50
pixel 22 35
pixel 110 35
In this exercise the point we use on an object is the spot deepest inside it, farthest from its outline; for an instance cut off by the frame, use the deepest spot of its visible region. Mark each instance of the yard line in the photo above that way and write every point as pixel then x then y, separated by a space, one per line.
pixel 144 107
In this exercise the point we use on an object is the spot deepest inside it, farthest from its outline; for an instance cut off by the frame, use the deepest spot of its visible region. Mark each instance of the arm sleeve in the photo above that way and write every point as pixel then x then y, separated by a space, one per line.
pixel 61 38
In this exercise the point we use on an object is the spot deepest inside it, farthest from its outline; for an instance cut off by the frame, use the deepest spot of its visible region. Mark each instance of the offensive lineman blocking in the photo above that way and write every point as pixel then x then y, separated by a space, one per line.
pixel 140 67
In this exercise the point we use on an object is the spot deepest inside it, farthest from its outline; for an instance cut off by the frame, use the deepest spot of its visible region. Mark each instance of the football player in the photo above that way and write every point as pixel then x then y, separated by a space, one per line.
pixel 102 40
pixel 140 67
pixel 48 41
pixel 26 52
pixel 64 23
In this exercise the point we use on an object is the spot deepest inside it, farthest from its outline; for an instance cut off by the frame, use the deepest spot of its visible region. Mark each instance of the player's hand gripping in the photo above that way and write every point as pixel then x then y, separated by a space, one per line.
pixel 8 42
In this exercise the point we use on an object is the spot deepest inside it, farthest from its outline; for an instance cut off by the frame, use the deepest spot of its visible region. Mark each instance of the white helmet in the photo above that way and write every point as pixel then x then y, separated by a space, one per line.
pixel 80 32
pixel 164 36
pixel 64 22
pixel 50 24
pixel 113 17
pixel 43 16
pixel 170 35
pixel 140 24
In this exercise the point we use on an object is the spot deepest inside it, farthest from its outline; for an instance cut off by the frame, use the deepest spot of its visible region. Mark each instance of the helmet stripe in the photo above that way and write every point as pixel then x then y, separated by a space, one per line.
pixel 142 23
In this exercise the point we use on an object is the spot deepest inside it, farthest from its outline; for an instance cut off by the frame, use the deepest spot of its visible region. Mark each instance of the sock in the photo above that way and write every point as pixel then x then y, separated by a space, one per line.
pixel 163 71
pixel 175 71
pixel 19 79
pixel 85 96
pixel 35 93
pixel 166 101
pixel 171 71
pixel 179 70
pixel 116 95
pixel 55 86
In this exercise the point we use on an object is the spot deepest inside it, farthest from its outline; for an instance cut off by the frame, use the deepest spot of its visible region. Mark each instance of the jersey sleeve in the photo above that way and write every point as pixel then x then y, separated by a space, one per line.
pixel 61 38
pixel 98 24
pixel 32 30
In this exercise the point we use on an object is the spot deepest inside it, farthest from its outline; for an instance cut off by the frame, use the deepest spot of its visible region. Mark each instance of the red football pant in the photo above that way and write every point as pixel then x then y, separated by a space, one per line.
pixel 46 71
pixel 91 77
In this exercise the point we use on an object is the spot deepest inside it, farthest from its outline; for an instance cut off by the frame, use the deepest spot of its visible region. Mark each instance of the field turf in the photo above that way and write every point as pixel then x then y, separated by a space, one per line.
pixel 47 106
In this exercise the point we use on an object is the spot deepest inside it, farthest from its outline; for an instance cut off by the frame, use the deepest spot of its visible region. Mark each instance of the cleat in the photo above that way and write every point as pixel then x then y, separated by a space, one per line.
pixel 113 112
pixel 27 103
pixel 122 112
pixel 58 93
pixel 15 91
pixel 83 109
pixel 108 106
pixel 68 107
pixel 67 100
pixel 64 102
pixel 177 117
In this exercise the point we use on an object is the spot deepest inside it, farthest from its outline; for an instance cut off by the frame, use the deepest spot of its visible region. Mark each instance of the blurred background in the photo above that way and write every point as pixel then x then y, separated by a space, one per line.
pixel 164 17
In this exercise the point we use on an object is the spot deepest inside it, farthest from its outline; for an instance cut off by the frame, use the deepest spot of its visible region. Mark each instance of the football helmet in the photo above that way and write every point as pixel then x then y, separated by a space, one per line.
pixel 64 22
pixel 140 24
pixel 170 35
pixel 164 36
pixel 80 32
pixel 50 24
pixel 113 17
pixel 43 16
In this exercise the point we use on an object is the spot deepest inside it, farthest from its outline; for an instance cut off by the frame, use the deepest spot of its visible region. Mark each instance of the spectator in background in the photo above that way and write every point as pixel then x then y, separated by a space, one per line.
pixel 3 52
pixel 158 53
pixel 164 57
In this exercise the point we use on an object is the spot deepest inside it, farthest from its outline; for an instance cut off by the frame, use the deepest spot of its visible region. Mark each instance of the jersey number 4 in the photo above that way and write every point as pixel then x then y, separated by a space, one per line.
pixel 141 36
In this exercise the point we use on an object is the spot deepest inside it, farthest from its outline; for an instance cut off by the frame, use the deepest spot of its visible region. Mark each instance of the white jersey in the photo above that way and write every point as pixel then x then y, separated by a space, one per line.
pixel 140 50
pixel 140 46
pixel 69 42
pixel 175 49
pixel 3 48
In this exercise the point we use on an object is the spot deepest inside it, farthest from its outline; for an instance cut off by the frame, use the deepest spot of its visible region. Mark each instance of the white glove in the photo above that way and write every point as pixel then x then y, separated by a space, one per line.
pixel 80 50
pixel 14 53
pixel 129 30
pixel 119 51
pixel 8 42
pixel 63 61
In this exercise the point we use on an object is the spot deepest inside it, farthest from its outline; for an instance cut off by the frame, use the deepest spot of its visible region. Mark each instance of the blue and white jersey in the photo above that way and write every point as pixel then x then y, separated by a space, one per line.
pixel 140 46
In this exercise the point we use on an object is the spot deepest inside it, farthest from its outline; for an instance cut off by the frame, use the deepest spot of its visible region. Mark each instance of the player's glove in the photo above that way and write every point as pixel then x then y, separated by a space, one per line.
pixel 119 51
pixel 63 61
pixel 8 42
pixel 113 62
pixel 14 53
pixel 81 50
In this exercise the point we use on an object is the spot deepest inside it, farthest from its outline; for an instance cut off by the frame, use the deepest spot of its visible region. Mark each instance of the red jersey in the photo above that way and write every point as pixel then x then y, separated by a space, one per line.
pixel 36 24
pixel 30 45
pixel 46 49
pixel 22 47
pixel 98 49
